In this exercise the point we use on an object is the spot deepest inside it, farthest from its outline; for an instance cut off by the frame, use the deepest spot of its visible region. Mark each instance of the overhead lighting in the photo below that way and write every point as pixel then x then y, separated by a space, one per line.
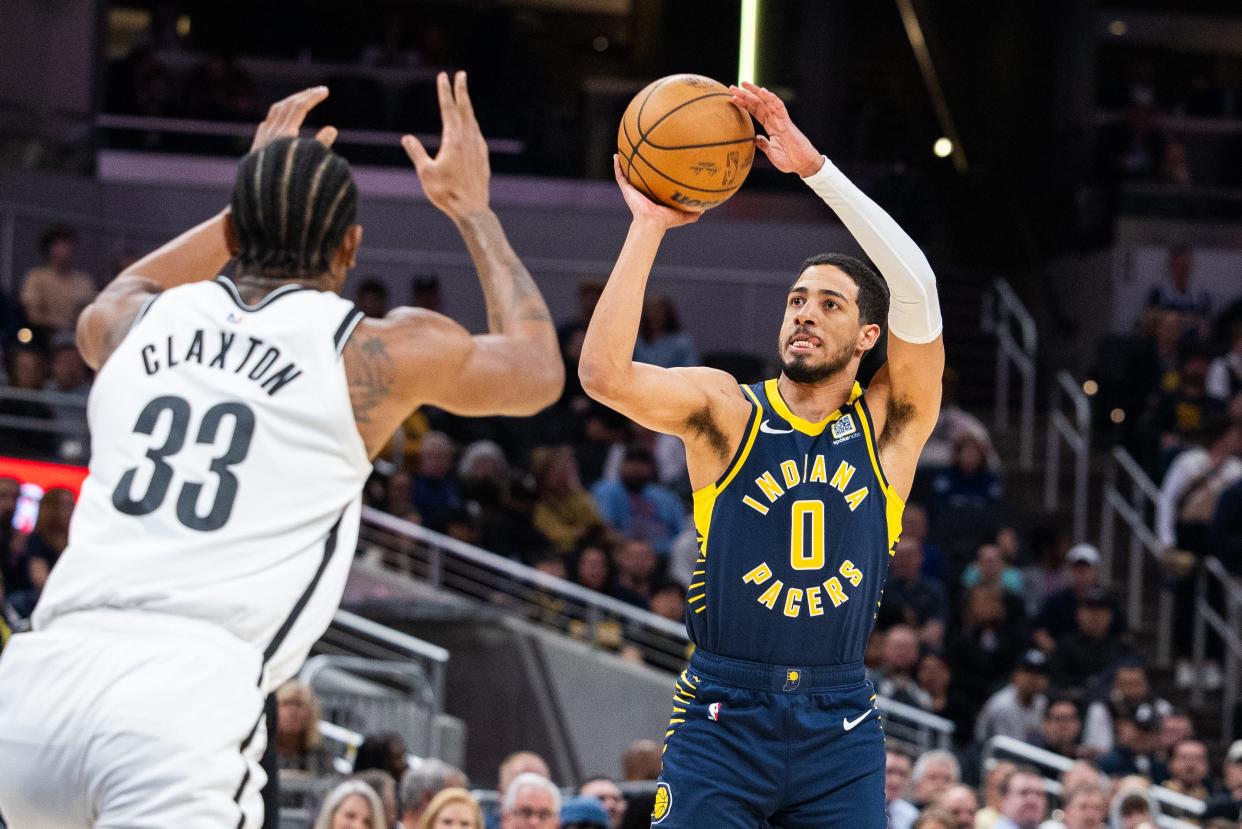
pixel 24 335
pixel 748 46
pixel 1118 28
pixel 183 26
pixel 1117 415
pixel 943 148
pixel 1090 387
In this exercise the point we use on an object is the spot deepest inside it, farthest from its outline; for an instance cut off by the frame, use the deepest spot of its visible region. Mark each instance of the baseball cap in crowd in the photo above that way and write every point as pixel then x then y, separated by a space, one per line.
pixel 1083 554
pixel 583 813
pixel 1097 597
pixel 1146 717
pixel 1234 754
pixel 1034 660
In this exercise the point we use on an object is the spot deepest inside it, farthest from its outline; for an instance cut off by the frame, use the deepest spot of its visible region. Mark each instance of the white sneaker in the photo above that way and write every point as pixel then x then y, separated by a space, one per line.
pixel 1184 675
pixel 1210 676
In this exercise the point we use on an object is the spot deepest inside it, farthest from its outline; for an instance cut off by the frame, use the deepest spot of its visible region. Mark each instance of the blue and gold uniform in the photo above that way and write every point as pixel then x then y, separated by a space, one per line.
pixel 774 718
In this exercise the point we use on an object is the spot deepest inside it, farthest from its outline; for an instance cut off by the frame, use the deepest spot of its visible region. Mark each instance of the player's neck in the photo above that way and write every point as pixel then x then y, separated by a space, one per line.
pixel 254 285
pixel 815 401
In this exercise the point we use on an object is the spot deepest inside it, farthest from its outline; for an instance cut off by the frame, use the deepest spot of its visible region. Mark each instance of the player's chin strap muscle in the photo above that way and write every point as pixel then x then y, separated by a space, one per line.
pixel 914 313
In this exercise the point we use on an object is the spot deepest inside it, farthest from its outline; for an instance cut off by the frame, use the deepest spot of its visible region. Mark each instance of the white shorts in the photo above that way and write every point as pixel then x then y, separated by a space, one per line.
pixel 114 718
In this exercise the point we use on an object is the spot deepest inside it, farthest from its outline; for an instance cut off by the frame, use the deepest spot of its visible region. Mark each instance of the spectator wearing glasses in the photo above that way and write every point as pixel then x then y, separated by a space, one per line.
pixel 531 801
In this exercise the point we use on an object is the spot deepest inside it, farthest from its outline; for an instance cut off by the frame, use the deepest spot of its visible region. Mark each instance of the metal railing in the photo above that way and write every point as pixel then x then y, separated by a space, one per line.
pixel 394 664
pixel 244 132
pixel 1136 510
pixel 1076 434
pixel 1002 310
pixel 468 571
pixel 1050 761
pixel 1213 577
pixel 918 729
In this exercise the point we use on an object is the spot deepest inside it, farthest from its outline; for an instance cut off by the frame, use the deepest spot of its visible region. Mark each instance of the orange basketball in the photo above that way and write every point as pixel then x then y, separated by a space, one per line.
pixel 685 144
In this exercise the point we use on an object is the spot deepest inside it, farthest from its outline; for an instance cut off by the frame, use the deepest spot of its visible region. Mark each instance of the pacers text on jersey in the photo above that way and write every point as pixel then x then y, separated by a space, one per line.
pixel 811 599
pixel 225 351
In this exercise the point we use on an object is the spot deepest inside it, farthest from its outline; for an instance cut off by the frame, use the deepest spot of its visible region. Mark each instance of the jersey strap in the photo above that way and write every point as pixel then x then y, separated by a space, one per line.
pixel 346 328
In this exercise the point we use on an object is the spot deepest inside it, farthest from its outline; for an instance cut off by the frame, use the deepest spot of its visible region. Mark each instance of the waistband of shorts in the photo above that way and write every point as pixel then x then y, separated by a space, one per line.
pixel 761 676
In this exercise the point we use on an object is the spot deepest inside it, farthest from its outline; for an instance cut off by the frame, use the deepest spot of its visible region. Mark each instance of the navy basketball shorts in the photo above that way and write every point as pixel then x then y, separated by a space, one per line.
pixel 802 748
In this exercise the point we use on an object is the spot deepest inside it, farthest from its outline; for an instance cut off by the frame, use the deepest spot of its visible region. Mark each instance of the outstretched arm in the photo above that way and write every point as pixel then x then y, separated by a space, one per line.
pixel 199 253
pixel 700 405
pixel 905 394
pixel 415 356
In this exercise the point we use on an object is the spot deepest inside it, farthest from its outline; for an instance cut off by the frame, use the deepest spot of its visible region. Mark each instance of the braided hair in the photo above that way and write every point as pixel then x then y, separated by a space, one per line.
pixel 292 203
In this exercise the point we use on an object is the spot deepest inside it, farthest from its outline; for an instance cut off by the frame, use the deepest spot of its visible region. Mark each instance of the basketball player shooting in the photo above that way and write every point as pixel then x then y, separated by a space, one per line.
pixel 799 484
pixel 234 421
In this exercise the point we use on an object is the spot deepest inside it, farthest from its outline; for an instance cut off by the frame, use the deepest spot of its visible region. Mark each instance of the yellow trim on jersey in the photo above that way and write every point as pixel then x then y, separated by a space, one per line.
pixel 705 498
pixel 803 425
pixel 894 507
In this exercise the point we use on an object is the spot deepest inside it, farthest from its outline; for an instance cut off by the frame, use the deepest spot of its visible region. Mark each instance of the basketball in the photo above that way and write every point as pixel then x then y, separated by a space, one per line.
pixel 685 144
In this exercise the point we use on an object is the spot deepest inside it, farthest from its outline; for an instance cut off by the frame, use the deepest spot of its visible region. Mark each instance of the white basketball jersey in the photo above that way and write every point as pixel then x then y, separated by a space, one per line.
pixel 226 478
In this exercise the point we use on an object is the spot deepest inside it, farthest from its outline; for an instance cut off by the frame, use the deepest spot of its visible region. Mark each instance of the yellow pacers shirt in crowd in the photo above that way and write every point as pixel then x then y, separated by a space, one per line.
pixel 54 298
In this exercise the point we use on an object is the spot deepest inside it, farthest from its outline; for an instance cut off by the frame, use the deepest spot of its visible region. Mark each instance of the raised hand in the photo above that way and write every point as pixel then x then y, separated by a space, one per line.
pixel 643 207
pixel 456 180
pixel 284 119
pixel 785 146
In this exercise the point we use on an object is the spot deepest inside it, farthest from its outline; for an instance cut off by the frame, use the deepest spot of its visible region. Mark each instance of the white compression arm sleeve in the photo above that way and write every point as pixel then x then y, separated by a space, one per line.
pixel 914 312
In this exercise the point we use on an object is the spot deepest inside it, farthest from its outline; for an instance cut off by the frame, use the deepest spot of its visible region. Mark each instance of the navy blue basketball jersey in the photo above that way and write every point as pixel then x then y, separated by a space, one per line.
pixel 794 539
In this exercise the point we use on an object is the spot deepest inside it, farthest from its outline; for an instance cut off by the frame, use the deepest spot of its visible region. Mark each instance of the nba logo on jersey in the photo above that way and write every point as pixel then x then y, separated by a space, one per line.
pixel 843 428
pixel 792 680
pixel 713 712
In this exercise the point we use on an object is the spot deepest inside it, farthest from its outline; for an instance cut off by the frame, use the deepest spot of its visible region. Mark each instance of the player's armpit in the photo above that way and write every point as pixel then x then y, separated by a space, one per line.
pixel 105 322
pixel 904 399
pixel 702 406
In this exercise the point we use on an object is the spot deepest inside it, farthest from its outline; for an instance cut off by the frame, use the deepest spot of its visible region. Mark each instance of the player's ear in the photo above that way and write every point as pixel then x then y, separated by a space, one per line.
pixel 231 238
pixel 347 253
pixel 869 335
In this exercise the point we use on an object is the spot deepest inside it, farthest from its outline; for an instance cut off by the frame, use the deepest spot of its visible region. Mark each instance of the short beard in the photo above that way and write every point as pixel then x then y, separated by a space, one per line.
pixel 798 371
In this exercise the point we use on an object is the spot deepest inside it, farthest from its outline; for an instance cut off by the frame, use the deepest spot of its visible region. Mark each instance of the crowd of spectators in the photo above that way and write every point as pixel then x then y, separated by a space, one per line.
pixel 382 787
pixel 1177 382
pixel 1113 789
pixel 929 792
pixel 990 619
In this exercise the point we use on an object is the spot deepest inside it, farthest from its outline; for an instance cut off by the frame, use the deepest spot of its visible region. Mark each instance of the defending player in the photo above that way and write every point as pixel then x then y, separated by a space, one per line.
pixel 799 486
pixel 233 425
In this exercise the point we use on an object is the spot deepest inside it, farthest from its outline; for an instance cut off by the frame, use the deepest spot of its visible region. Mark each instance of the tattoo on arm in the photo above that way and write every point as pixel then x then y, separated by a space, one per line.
pixel 900 412
pixel 371 376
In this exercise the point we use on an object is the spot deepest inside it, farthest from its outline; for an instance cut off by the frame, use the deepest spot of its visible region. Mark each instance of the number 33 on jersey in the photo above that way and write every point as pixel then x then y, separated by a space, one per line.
pixel 794 538
pixel 240 457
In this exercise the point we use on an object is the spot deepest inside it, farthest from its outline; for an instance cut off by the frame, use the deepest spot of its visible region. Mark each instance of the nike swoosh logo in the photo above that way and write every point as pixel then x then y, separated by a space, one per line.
pixel 764 427
pixel 850 725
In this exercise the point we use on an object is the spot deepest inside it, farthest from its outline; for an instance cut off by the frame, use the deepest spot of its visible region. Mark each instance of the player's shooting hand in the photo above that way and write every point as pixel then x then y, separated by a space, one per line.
pixel 644 208
pixel 285 118
pixel 785 146
pixel 456 180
